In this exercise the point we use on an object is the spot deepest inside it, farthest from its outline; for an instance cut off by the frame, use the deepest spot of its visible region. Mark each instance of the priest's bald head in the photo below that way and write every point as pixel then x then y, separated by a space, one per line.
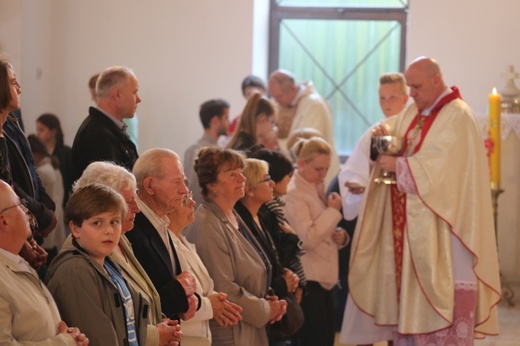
pixel 424 78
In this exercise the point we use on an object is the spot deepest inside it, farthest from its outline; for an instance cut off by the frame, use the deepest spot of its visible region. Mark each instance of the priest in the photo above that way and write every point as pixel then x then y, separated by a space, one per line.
pixel 424 267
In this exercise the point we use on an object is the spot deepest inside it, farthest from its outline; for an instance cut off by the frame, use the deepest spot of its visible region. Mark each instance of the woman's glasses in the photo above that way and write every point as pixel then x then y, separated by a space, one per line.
pixel 22 203
pixel 266 180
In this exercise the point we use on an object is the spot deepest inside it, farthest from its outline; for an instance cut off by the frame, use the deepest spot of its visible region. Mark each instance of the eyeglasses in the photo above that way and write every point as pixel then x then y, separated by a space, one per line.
pixel 266 180
pixel 22 203
pixel 187 198
pixel 30 217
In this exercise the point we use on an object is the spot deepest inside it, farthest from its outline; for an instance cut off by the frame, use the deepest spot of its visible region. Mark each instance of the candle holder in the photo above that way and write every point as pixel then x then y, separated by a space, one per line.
pixel 510 92
pixel 507 292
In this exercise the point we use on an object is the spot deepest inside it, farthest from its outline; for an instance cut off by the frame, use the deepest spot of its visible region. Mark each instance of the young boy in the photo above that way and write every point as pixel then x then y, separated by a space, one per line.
pixel 87 286
pixel 355 173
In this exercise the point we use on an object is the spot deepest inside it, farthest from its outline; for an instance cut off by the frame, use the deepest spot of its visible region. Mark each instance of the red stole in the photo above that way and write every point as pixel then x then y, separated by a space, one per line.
pixel 418 129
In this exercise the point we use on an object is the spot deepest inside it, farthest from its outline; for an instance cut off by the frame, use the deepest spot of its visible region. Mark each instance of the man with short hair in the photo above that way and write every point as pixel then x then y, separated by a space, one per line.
pixel 300 106
pixel 424 267
pixel 102 135
pixel 355 173
pixel 92 86
pixel 28 313
pixel 393 93
pixel 161 185
pixel 214 116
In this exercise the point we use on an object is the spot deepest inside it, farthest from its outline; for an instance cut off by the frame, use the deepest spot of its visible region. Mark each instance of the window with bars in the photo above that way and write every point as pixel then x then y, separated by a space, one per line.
pixel 343 46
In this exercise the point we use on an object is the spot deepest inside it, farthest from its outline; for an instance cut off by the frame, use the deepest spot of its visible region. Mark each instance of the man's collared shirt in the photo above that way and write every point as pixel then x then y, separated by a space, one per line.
pixel 161 225
pixel 121 125
pixel 17 259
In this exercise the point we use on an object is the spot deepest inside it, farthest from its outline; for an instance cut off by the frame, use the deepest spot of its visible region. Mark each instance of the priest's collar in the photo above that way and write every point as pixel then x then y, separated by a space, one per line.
pixel 428 110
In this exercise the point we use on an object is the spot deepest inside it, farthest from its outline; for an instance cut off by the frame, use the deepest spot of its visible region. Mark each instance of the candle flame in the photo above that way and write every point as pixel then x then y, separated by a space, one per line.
pixel 494 91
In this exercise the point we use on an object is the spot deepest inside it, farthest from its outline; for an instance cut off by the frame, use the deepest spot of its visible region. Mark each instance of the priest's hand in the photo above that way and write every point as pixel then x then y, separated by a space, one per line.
pixel 379 130
pixel 388 163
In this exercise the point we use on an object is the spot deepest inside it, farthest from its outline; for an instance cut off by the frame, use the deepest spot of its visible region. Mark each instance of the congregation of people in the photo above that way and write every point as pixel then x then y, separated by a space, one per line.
pixel 256 235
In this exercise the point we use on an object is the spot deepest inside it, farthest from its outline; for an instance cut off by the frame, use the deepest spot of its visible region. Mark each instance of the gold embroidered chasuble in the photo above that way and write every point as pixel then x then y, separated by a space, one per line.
pixel 451 175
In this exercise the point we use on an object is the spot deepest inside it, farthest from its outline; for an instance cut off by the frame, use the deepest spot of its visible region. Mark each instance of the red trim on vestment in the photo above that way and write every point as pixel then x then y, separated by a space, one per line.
pixel 420 124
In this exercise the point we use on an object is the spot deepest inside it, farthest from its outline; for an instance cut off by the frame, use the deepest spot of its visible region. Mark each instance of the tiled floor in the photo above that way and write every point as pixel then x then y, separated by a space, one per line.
pixel 509 319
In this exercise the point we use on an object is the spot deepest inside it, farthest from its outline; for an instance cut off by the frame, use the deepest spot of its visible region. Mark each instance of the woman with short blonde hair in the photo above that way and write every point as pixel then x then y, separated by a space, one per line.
pixel 258 191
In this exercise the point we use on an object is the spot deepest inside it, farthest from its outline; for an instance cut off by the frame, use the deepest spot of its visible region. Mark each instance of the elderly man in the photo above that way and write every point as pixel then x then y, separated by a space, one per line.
pixel 214 116
pixel 28 313
pixel 424 264
pixel 300 106
pixel 161 185
pixel 102 135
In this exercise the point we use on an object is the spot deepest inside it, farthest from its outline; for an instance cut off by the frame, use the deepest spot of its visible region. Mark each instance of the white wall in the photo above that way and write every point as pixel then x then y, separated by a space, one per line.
pixel 11 30
pixel 39 79
pixel 183 53
pixel 473 40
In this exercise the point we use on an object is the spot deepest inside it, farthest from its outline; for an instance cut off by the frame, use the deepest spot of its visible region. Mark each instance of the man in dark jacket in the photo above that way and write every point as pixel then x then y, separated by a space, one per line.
pixel 17 166
pixel 161 185
pixel 102 135
pixel 25 179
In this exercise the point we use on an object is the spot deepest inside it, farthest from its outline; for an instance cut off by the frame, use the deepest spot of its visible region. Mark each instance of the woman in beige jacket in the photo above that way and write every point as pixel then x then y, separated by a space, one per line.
pixel 230 252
